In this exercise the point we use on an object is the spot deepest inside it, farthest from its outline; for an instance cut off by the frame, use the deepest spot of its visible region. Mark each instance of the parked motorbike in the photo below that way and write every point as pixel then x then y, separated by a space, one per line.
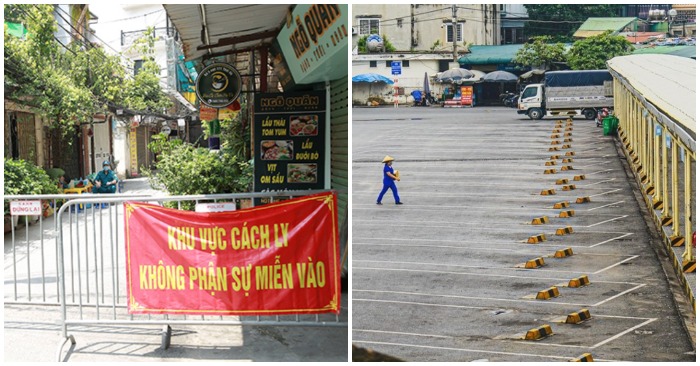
pixel 602 113
pixel 509 99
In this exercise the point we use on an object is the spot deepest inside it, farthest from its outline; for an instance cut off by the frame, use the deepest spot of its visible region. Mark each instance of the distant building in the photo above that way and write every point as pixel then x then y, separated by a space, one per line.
pixel 513 18
pixel 425 39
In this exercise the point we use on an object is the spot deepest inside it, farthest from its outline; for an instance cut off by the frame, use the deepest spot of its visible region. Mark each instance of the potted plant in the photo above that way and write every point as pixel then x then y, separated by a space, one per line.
pixel 23 177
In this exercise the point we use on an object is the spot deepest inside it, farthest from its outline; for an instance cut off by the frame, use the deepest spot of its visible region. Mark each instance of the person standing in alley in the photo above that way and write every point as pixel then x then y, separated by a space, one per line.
pixel 389 177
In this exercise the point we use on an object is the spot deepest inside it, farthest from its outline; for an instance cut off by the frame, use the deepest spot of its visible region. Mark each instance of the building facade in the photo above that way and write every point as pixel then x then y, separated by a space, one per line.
pixel 426 39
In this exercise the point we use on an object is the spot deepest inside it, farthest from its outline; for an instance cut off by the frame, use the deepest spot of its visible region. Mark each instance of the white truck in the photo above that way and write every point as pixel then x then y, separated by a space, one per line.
pixel 568 94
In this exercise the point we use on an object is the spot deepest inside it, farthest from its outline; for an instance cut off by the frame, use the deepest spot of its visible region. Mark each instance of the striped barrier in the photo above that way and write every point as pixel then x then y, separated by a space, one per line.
pixel 540 220
pixel 536 239
pixel 548 192
pixel 539 333
pixel 569 187
pixel 568 213
pixel 565 231
pixel 550 171
pixel 586 357
pixel 579 177
pixel 578 317
pixel 563 253
pixel 562 181
pixel 535 263
pixel 585 199
pixel 579 282
pixel 562 204
pixel 548 293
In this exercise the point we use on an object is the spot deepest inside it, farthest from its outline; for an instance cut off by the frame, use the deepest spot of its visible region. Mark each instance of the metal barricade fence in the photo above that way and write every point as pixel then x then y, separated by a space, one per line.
pixel 656 147
pixel 87 264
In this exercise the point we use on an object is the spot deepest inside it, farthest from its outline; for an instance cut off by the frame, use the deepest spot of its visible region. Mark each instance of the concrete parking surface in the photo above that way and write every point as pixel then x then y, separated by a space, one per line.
pixel 442 277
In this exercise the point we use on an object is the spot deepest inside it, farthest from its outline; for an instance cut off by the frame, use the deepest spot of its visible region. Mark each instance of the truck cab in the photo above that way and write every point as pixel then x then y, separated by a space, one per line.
pixel 531 101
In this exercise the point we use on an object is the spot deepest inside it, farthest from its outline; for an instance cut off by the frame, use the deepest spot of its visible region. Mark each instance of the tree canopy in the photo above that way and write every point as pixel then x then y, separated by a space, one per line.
pixel 70 83
pixel 540 53
pixel 592 53
pixel 560 21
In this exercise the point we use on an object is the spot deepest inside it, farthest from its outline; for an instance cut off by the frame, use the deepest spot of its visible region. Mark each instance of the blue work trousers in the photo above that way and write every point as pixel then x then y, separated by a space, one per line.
pixel 391 185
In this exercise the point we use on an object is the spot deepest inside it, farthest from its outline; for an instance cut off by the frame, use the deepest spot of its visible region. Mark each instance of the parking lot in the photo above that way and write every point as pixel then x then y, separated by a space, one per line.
pixel 443 277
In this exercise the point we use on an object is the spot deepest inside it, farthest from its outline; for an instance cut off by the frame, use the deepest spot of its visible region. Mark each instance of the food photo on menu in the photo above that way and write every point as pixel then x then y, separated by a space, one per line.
pixel 277 150
pixel 303 125
pixel 302 173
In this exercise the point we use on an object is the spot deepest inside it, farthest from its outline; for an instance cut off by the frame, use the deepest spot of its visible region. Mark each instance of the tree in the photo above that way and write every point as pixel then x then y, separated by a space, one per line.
pixel 539 53
pixel 70 83
pixel 593 52
pixel 560 21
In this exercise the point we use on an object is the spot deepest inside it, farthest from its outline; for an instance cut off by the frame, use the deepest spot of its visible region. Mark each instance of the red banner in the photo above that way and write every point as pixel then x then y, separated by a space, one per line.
pixel 280 258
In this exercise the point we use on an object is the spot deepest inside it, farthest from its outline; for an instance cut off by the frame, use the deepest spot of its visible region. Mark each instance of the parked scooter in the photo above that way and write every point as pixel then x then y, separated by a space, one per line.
pixel 509 99
pixel 602 113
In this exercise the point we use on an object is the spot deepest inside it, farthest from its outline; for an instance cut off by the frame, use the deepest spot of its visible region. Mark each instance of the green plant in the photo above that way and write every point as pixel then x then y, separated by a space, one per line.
pixel 23 177
pixel 539 52
pixel 183 169
pixel 592 53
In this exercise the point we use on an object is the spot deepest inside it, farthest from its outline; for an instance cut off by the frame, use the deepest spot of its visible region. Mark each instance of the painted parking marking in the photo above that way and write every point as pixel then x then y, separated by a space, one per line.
pixel 520 270
pixel 603 206
pixel 605 341
pixel 517 243
pixel 461 349
pixel 504 276
pixel 602 171
pixel 399 333
pixel 596 183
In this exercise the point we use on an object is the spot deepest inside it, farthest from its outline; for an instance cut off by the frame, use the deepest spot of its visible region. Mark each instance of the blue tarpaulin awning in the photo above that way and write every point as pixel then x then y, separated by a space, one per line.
pixel 371 78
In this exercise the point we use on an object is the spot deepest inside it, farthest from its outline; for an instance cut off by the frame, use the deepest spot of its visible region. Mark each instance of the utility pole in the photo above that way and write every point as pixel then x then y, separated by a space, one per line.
pixel 454 33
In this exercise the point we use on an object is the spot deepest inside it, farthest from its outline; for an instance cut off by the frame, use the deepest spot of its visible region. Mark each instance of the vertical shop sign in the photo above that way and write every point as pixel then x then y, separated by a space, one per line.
pixel 289 141
pixel 133 152
pixel 467 95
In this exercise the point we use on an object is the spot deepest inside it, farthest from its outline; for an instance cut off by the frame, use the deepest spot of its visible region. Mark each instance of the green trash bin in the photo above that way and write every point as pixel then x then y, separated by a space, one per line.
pixel 610 125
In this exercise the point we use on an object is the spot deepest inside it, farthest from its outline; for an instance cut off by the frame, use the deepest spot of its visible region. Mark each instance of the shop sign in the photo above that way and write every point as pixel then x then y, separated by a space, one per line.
pixel 218 85
pixel 290 141
pixel 207 113
pixel 230 111
pixel 314 42
pixel 467 95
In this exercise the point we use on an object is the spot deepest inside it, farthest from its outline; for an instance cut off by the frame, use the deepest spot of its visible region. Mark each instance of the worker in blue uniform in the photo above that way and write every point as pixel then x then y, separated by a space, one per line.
pixel 106 180
pixel 389 177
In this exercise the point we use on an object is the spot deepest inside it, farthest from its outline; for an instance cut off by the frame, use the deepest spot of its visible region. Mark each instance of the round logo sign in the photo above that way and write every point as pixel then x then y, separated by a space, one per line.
pixel 218 85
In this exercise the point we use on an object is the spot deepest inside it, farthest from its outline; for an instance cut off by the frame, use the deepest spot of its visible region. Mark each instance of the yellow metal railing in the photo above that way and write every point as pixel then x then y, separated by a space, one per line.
pixel 648 136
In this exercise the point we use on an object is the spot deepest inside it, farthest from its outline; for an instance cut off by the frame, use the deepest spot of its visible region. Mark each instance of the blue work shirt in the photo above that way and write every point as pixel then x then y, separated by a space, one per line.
pixel 105 178
pixel 387 179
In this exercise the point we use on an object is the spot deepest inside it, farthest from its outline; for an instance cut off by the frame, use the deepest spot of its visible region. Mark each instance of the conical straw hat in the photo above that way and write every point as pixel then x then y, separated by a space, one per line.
pixel 387 159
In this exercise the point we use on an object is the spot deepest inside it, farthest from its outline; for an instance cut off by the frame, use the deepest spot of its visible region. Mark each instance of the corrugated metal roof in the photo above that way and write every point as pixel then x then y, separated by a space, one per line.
pixel 666 81
pixel 683 51
pixel 595 26
pixel 224 21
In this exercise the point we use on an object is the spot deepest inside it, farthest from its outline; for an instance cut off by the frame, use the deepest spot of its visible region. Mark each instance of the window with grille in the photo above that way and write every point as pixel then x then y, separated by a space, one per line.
pixel 369 26
pixel 451 33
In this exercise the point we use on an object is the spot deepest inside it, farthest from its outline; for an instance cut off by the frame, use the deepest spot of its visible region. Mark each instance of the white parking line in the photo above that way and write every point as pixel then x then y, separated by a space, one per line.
pixel 606 221
pixel 603 206
pixel 609 240
pixel 602 171
pixel 623 333
pixel 425 304
pixel 604 193
pixel 596 183
pixel 616 264
pixel 502 268
pixel 462 349
pixel 618 295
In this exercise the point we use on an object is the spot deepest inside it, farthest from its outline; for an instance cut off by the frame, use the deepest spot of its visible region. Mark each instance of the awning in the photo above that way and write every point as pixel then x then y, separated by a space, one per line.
pixel 215 28
pixel 683 51
pixel 490 55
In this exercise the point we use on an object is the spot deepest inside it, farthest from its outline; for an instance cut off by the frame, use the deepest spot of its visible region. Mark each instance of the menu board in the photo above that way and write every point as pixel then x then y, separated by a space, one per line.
pixel 289 140
pixel 467 95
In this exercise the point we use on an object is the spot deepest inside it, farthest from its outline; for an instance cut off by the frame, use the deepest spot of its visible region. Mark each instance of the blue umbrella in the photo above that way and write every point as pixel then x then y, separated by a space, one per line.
pixel 371 78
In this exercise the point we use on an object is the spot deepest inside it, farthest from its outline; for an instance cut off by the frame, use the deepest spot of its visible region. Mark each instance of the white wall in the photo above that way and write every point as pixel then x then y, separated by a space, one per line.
pixel 411 77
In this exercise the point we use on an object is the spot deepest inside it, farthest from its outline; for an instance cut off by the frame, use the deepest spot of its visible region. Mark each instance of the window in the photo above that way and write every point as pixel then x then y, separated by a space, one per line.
pixel 369 26
pixel 388 64
pixel 373 64
pixel 450 32
pixel 399 22
pixel 529 92
pixel 138 64
pixel 405 63
pixel 444 65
